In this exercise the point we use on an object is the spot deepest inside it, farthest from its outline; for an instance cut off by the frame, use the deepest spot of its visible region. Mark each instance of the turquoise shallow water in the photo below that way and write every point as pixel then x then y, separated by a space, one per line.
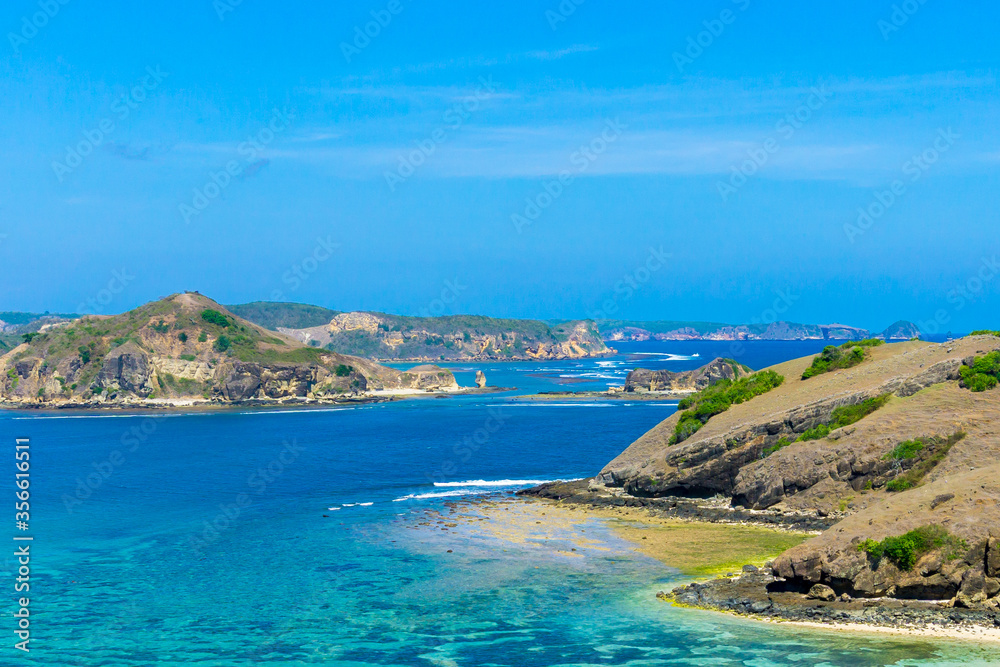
pixel 206 544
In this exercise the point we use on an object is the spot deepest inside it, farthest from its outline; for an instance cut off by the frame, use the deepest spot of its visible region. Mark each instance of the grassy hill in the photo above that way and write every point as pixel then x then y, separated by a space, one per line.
pixel 901 442
pixel 186 346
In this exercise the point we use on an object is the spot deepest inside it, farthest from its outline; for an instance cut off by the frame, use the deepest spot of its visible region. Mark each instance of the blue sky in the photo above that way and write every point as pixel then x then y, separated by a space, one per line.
pixel 530 159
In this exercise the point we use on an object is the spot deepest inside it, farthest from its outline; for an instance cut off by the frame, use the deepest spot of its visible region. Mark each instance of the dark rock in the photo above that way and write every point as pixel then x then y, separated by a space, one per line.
pixel 750 568
pixel 941 499
pixel 822 592
pixel 993 558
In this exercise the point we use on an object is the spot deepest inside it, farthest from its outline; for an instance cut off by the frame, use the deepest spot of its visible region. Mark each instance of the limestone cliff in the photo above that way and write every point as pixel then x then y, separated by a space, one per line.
pixel 454 338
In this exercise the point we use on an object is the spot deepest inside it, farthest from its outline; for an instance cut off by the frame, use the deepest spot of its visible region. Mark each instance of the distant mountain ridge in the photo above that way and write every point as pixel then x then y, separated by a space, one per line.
pixel 637 330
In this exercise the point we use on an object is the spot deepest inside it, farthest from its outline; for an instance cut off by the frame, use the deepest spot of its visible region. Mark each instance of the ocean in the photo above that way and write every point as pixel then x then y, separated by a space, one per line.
pixel 294 537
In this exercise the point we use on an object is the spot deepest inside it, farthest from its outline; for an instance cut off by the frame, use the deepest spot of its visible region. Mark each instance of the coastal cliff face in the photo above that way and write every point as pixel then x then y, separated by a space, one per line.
pixel 188 348
pixel 642 380
pixel 455 338
pixel 925 462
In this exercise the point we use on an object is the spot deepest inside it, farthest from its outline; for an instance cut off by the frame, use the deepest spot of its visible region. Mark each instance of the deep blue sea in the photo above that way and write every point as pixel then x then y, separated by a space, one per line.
pixel 286 537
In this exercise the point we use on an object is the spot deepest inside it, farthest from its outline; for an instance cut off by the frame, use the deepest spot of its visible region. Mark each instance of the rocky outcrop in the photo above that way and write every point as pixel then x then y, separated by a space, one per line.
pixel 480 379
pixel 965 570
pixel 641 380
pixel 745 439
pixel 126 368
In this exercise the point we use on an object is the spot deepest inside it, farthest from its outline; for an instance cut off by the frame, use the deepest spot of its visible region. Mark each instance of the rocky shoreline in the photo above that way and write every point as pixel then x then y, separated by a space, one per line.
pixel 760 592
pixel 709 510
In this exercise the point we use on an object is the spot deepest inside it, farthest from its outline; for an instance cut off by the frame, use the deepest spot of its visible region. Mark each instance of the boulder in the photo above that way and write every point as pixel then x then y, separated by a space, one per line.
pixel 480 379
pixel 822 592
pixel 993 558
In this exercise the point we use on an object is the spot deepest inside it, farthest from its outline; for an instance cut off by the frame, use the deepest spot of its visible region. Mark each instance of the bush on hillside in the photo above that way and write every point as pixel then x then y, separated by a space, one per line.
pixel 984 373
pixel 835 357
pixel 214 317
pixel 702 406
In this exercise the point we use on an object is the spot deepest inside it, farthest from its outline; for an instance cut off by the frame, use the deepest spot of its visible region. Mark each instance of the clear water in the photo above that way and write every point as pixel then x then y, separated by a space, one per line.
pixel 208 545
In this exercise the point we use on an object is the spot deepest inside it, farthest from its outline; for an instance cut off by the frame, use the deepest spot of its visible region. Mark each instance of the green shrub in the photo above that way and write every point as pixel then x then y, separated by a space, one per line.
pixel 845 416
pixel 214 317
pixel 930 452
pixel 985 332
pixel 202 337
pixel 845 356
pixel 897 485
pixel 222 343
pixel 188 357
pixel 343 371
pixel 904 550
pixel 702 406
pixel 781 444
pixel 84 354
pixel 984 373
pixel 182 337
pixel 160 327
pixel 905 450
pixel 28 337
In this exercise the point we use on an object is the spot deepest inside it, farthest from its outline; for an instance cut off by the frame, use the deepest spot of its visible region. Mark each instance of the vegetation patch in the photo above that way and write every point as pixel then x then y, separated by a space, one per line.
pixel 845 416
pixel 719 397
pixel 984 373
pixel 905 550
pixel 928 452
pixel 985 332
pixel 835 357
pixel 213 316
pixel 778 446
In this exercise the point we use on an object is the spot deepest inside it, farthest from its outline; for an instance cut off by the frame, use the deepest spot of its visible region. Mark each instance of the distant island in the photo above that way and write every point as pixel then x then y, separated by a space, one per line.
pixel 455 338
pixel 188 350
pixel 631 330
